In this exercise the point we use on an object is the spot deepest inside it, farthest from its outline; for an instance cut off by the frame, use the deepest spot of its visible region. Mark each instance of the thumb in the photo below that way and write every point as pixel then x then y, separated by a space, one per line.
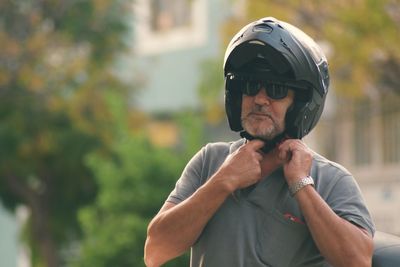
pixel 256 144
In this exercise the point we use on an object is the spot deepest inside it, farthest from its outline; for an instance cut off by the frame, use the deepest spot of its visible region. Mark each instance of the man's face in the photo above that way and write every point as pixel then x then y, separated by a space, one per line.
pixel 264 117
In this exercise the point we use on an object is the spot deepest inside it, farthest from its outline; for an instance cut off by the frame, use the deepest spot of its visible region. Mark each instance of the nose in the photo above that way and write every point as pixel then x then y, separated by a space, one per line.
pixel 261 98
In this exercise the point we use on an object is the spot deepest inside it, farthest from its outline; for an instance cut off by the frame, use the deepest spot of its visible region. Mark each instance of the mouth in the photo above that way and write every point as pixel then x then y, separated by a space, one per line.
pixel 258 114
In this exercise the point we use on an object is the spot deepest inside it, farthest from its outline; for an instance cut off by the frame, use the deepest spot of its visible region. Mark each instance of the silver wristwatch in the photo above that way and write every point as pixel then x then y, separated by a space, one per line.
pixel 294 188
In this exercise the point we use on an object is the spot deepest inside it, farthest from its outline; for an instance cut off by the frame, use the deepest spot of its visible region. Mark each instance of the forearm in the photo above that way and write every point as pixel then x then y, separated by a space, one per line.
pixel 339 241
pixel 173 231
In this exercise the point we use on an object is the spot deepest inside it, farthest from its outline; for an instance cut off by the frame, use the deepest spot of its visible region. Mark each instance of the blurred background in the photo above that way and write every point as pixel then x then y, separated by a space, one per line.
pixel 103 102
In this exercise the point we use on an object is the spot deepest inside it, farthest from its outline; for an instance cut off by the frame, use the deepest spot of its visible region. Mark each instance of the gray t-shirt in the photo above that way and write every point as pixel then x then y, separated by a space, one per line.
pixel 262 225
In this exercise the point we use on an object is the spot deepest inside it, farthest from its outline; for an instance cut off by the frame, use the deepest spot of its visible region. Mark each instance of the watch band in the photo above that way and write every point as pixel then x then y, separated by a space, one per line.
pixel 295 187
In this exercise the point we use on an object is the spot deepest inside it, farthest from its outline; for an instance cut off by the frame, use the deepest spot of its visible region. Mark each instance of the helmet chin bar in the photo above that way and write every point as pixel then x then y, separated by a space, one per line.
pixel 269 144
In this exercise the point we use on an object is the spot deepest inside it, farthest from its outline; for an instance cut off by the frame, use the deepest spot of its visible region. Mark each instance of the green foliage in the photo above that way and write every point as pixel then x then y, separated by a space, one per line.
pixel 364 38
pixel 55 62
pixel 133 184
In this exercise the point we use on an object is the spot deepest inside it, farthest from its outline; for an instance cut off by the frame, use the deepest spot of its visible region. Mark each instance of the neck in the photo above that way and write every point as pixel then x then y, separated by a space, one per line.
pixel 270 145
pixel 270 163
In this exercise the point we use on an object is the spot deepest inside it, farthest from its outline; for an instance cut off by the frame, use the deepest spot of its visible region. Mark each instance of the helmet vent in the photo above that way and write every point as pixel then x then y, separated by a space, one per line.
pixel 263 28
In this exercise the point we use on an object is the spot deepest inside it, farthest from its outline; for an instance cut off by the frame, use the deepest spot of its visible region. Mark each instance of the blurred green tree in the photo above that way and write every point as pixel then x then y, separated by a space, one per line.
pixel 56 61
pixel 134 181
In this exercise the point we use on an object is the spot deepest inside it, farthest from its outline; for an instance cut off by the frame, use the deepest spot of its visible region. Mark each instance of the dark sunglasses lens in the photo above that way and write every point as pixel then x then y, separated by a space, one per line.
pixel 251 88
pixel 277 91
pixel 236 84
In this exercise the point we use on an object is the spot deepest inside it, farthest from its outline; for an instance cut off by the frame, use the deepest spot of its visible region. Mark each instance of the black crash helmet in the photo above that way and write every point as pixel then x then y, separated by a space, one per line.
pixel 275 51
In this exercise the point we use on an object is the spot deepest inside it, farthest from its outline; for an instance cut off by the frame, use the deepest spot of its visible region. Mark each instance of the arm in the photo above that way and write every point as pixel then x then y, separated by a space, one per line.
pixel 339 241
pixel 176 227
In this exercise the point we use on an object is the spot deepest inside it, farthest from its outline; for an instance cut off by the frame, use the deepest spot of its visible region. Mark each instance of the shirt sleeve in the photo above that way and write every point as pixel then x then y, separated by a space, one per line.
pixel 200 168
pixel 190 179
pixel 346 201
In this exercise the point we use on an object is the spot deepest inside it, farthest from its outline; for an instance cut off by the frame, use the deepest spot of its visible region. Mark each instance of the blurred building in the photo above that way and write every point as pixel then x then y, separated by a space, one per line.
pixel 171 40
pixel 364 135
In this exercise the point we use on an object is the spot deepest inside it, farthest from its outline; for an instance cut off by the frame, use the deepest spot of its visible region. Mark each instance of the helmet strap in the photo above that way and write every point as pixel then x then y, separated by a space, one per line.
pixel 269 144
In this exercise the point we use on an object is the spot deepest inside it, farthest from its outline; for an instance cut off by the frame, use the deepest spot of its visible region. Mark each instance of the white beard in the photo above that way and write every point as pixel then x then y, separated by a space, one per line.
pixel 266 128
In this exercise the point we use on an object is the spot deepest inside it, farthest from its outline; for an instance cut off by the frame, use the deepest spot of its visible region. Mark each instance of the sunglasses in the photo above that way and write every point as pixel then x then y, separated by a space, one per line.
pixel 252 87
pixel 273 90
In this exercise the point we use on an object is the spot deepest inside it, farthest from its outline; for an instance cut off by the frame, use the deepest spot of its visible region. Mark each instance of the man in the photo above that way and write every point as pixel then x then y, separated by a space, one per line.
pixel 266 199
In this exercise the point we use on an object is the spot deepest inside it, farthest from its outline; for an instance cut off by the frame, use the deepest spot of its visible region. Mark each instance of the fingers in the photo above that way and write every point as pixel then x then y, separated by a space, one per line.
pixel 285 150
pixel 284 153
pixel 297 159
pixel 253 149
pixel 291 147
pixel 255 145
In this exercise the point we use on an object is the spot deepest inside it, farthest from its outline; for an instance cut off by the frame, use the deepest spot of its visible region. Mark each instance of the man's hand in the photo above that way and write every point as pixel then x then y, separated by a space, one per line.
pixel 242 168
pixel 297 159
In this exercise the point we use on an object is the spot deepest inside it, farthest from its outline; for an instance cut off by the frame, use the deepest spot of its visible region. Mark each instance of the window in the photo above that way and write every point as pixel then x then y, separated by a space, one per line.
pixel 167 15
pixel 165 25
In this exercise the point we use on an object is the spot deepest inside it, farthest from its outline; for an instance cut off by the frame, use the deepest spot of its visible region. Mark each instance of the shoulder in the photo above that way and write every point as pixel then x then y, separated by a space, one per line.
pixel 328 174
pixel 222 148
pixel 213 154
pixel 332 178
pixel 322 165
